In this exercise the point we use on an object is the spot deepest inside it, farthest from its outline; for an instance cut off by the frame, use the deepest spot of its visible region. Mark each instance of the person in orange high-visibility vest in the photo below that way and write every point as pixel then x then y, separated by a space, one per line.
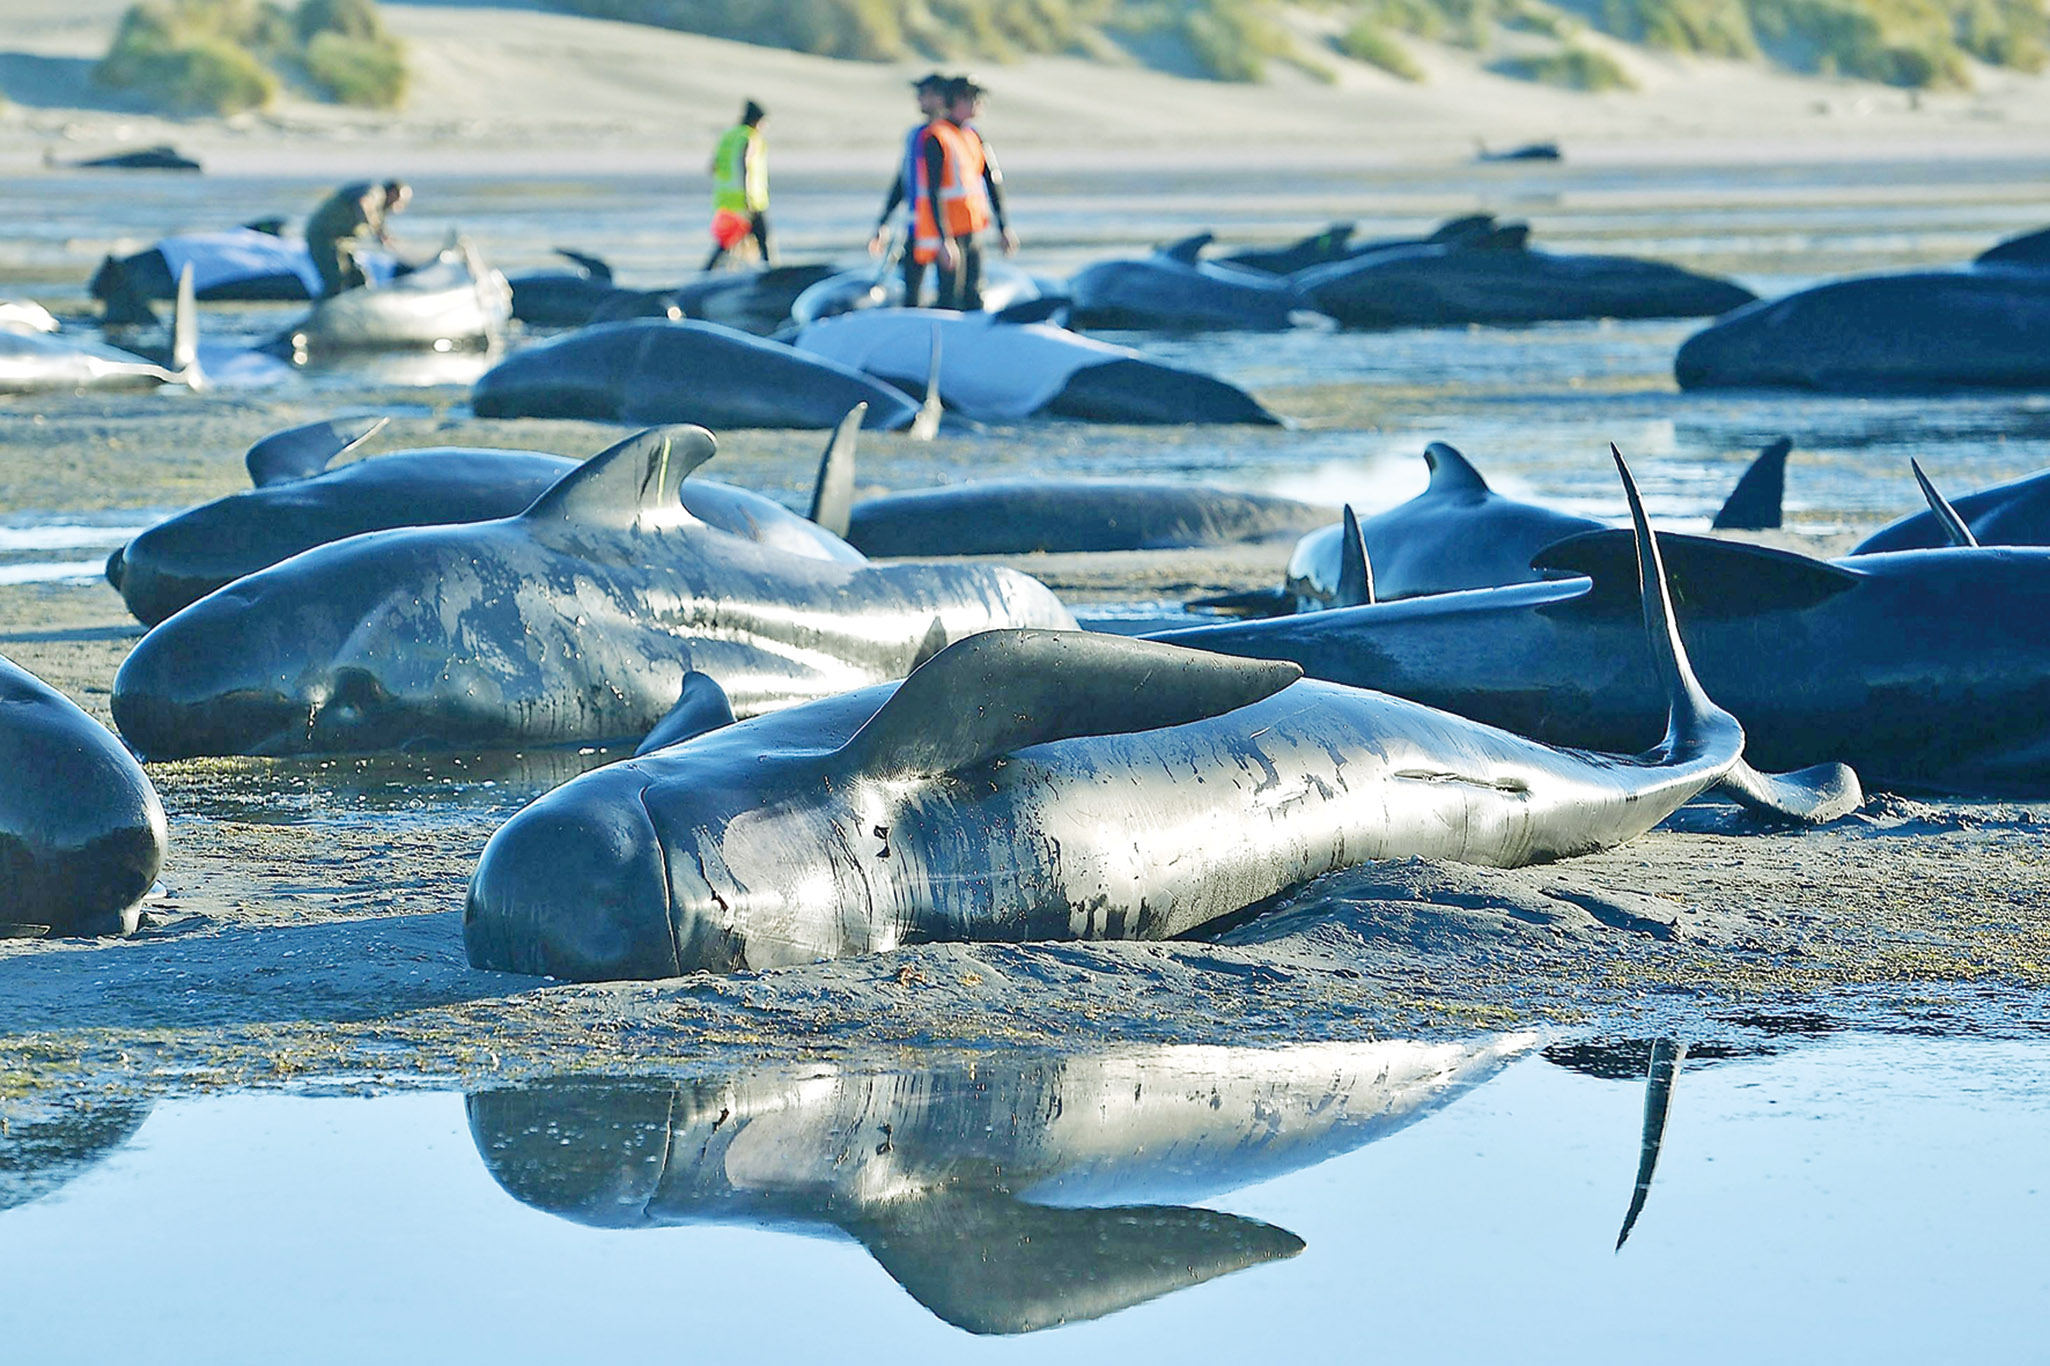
pixel 964 103
pixel 931 90
pixel 951 207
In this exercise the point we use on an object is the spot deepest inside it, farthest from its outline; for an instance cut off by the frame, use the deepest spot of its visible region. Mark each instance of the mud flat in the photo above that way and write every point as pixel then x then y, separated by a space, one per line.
pixel 309 924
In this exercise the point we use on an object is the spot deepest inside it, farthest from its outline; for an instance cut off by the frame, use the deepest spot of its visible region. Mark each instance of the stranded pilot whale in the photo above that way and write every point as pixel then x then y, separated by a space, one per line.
pixel 1004 1192
pixel 1055 785
pixel 574 622
pixel 81 831
pixel 299 503
pixel 659 370
pixel 1925 670
pixel 1459 534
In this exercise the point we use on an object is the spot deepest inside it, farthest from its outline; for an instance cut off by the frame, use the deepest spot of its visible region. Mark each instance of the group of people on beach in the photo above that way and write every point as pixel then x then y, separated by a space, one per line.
pixel 948 178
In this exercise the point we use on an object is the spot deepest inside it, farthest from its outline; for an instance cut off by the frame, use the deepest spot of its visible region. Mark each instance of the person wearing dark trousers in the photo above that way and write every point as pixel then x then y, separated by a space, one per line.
pixel 740 187
pixel 931 91
pixel 964 103
pixel 949 210
pixel 349 221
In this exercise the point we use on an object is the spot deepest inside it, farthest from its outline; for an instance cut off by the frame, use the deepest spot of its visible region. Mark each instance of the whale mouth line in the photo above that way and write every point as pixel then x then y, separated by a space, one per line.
pixel 668 891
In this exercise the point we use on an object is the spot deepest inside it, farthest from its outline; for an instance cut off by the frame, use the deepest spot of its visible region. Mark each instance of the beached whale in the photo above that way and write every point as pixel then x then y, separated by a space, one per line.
pixel 243 263
pixel 1028 516
pixel 1335 244
pixel 993 370
pixel 453 301
pixel 1056 785
pixel 2014 513
pixel 572 623
pixel 1925 670
pixel 561 297
pixel 1458 534
pixel 1500 280
pixel 1982 326
pixel 657 370
pixel 1003 285
pixel 1031 516
pixel 37 357
pixel 81 831
pixel 2029 250
pixel 1005 1192
pixel 1176 288
pixel 162 157
pixel 299 503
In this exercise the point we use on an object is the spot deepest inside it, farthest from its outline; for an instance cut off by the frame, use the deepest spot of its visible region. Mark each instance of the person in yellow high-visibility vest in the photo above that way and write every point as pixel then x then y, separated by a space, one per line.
pixel 740 187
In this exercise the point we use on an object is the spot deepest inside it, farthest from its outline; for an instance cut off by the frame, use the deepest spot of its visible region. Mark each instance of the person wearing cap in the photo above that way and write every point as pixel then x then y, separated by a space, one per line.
pixel 950 207
pixel 348 222
pixel 964 102
pixel 931 91
pixel 740 187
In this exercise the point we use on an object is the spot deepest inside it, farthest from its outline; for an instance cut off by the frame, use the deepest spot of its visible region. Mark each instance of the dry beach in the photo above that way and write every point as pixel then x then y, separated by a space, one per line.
pixel 307 934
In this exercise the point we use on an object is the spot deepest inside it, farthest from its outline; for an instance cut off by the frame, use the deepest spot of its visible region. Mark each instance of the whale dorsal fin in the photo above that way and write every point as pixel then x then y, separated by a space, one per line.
pixel 1452 472
pixel 1188 249
pixel 302 452
pixel 925 424
pixel 1000 691
pixel 591 265
pixel 832 495
pixel 1355 569
pixel 1463 229
pixel 1755 504
pixel 1045 308
pixel 1709 578
pixel 1955 532
pixel 701 706
pixel 635 483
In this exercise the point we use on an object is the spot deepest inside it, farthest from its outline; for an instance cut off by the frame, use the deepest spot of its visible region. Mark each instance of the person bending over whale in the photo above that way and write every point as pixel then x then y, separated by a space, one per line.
pixel 348 221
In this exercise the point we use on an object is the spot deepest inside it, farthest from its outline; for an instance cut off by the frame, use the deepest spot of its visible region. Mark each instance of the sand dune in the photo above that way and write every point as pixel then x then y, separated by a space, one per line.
pixel 500 87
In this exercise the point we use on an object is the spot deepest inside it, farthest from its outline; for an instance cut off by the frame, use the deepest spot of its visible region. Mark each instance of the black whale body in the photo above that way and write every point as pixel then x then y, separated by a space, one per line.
pixel 1438 284
pixel 1028 516
pixel 182 559
pixel 574 622
pixel 1335 244
pixel 81 831
pixel 1924 670
pixel 650 370
pixel 1916 331
pixel 2014 513
pixel 1173 288
pixel 1031 785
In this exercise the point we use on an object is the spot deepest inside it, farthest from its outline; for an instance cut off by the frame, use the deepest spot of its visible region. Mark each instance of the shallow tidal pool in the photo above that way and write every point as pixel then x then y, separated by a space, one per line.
pixel 1865 1198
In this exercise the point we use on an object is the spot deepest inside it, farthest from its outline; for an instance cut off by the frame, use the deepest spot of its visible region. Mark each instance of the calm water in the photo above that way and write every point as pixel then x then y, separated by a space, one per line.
pixel 1872 1199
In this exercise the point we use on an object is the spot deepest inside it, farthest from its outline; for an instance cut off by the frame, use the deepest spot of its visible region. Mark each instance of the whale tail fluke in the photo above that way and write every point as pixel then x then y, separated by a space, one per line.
pixel 1694 724
pixel 1757 503
pixel 1696 727
pixel 1955 532
pixel 832 495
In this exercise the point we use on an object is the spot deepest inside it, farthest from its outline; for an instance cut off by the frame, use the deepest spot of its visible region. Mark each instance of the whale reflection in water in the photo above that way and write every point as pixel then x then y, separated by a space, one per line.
pixel 1004 1193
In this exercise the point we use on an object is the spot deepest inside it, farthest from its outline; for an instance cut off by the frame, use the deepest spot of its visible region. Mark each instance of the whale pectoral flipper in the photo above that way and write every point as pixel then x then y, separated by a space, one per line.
pixel 1712 578
pixel 640 480
pixel 1954 528
pixel 832 495
pixel 302 452
pixel 1000 691
pixel 1814 795
pixel 1355 568
pixel 1757 503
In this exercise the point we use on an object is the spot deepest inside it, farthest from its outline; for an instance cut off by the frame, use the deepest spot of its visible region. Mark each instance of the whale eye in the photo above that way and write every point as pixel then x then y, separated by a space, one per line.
pixel 356 694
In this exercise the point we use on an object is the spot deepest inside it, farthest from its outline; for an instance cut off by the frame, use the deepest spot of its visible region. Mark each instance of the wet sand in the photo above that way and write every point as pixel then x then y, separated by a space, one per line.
pixel 310 920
